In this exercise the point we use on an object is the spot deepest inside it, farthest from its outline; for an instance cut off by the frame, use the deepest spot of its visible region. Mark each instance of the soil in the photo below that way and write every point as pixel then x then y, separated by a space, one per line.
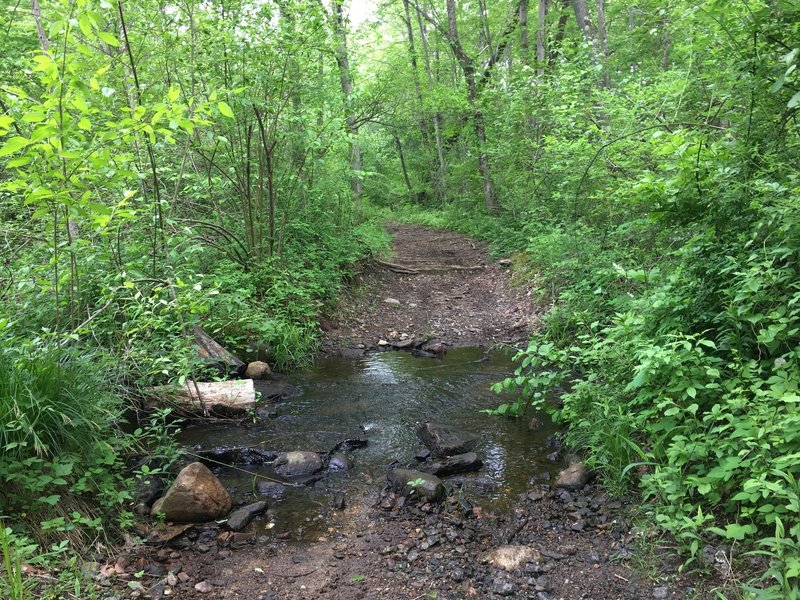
pixel 378 545
pixel 438 286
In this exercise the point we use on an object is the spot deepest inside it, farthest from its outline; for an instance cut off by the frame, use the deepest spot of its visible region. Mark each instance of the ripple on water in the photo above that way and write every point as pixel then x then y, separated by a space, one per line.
pixel 383 396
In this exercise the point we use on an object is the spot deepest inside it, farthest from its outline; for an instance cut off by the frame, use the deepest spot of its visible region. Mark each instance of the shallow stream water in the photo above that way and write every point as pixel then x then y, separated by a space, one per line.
pixel 382 397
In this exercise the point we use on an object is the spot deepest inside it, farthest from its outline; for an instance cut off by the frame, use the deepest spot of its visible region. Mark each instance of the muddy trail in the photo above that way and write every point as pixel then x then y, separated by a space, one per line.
pixel 436 286
pixel 410 342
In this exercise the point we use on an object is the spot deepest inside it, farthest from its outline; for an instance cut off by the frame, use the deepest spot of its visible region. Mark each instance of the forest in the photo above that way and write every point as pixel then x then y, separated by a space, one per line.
pixel 232 163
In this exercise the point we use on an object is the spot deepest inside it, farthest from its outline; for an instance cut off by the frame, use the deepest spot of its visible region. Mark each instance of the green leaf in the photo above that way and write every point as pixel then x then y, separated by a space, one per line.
pixel 108 38
pixel 13 145
pixel 225 109
pixel 795 100
pixel 173 94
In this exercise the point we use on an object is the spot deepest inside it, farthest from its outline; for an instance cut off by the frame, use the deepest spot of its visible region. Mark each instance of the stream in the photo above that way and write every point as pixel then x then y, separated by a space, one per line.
pixel 381 397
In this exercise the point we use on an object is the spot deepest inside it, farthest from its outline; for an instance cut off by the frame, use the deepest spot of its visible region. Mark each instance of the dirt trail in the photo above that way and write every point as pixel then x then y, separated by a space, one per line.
pixel 378 546
pixel 438 286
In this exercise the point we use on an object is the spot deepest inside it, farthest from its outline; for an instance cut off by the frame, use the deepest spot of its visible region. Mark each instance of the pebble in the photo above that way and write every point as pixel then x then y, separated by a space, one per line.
pixel 660 592
pixel 203 587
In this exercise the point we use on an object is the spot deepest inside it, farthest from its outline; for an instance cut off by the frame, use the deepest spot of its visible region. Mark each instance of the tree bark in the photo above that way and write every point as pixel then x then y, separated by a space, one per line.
pixel 423 125
pixel 602 36
pixel 541 37
pixel 437 117
pixel 401 155
pixel 468 68
pixel 345 77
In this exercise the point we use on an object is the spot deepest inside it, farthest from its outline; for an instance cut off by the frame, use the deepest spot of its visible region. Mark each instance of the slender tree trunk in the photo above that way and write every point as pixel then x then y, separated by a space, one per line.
pixel 602 37
pixel 584 22
pixel 437 117
pixel 423 125
pixel 561 29
pixel 541 37
pixel 486 36
pixel 345 77
pixel 401 155
pixel 468 67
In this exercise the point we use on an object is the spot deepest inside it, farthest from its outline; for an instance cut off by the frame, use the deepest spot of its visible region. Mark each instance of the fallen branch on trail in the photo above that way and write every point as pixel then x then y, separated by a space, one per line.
pixel 404 270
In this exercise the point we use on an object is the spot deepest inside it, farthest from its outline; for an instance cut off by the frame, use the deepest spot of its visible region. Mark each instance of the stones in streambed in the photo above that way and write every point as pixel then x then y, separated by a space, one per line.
pixel 195 496
pixel 271 489
pixel 460 463
pixel 351 443
pixel 241 517
pixel 424 486
pixel 258 370
pixel 299 464
pixel 445 441
pixel 573 478
pixel 511 557
pixel 339 462
pixel 237 455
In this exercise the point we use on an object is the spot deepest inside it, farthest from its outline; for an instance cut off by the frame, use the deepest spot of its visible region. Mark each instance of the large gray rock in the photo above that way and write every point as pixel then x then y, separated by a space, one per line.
pixel 241 517
pixel 460 463
pixel 445 441
pixel 196 496
pixel 298 464
pixel 426 487
pixel 574 477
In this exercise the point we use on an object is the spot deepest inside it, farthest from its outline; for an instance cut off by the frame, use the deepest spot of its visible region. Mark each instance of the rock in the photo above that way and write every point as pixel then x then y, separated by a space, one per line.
pixel 240 518
pixel 437 349
pixel 383 343
pixel 393 301
pixel 298 464
pixel 429 487
pixel 511 558
pixel 238 455
pixel 460 463
pixel 258 370
pixel 573 477
pixel 503 588
pixel 659 593
pixel 203 587
pixel 149 489
pixel 339 462
pixel 195 496
pixel 445 441
pixel 272 489
pixel 422 455
pixel 351 443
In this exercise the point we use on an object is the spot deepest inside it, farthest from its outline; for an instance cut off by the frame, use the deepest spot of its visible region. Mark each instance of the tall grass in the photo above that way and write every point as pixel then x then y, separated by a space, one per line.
pixel 51 401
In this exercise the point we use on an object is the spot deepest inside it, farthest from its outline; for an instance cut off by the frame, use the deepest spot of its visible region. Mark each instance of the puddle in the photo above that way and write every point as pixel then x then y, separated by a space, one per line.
pixel 382 397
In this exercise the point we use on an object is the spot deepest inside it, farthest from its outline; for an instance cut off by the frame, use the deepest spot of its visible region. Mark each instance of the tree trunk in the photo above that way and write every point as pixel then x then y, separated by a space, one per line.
pixel 468 67
pixel 437 117
pixel 541 36
pixel 423 125
pixel 399 146
pixel 345 77
pixel 584 22
pixel 602 36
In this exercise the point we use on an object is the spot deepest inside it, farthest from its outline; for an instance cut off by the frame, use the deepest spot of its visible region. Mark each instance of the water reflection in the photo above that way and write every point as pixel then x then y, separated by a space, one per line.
pixel 382 397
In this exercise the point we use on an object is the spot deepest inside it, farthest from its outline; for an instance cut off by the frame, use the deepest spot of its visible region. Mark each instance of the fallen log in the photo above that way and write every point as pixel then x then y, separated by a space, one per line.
pixel 211 351
pixel 218 398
